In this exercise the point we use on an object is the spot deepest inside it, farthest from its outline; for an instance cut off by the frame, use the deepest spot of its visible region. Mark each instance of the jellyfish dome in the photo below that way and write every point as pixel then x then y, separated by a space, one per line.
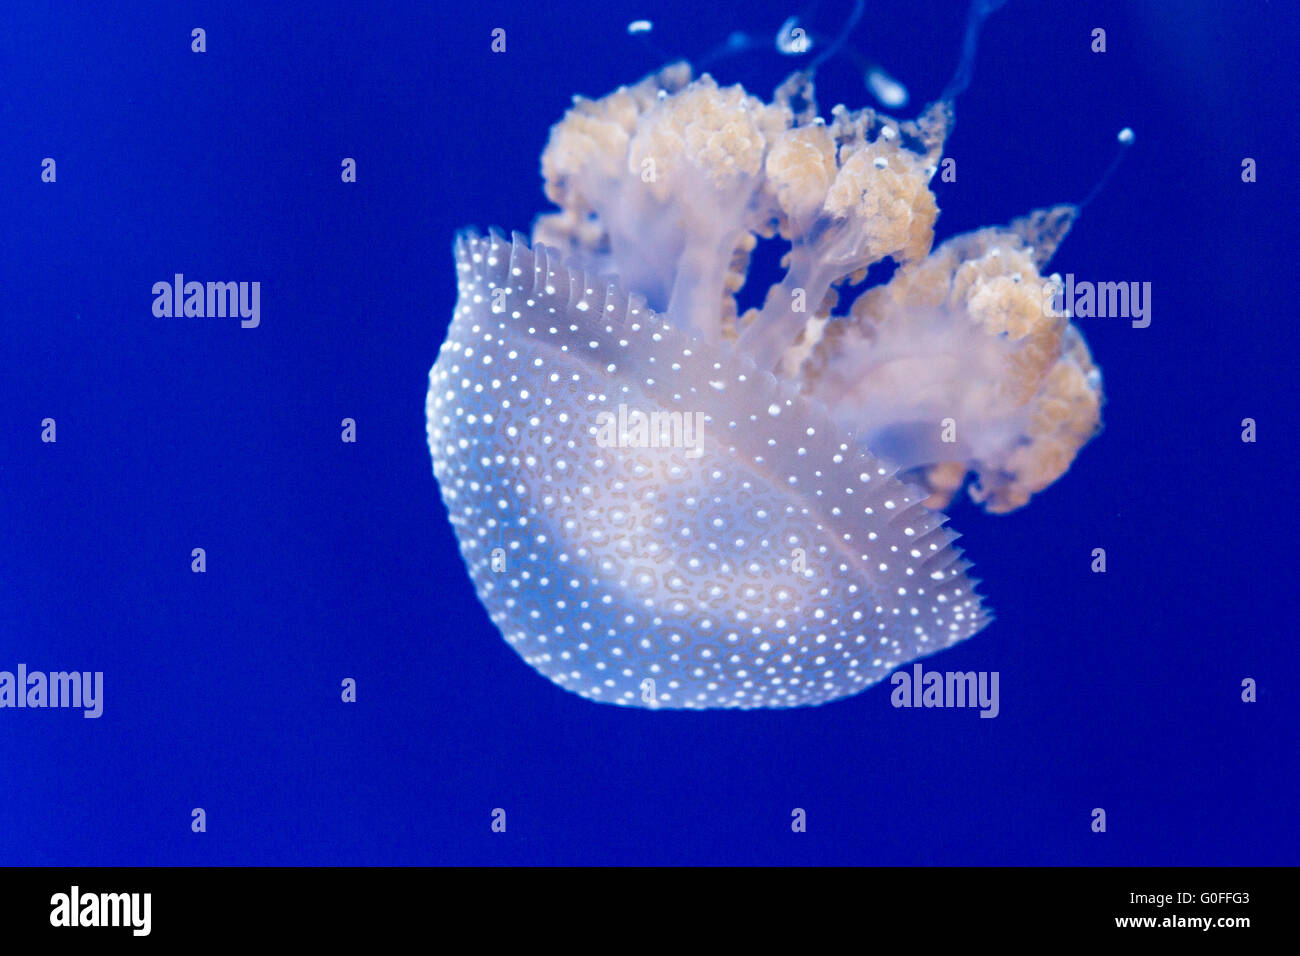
pixel 666 503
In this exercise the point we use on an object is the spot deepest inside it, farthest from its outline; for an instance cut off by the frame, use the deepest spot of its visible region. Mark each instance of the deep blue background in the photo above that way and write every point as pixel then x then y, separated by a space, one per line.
pixel 328 560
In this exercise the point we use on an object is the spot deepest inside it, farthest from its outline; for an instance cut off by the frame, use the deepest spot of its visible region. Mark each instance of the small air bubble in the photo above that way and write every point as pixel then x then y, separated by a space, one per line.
pixel 791 39
pixel 885 88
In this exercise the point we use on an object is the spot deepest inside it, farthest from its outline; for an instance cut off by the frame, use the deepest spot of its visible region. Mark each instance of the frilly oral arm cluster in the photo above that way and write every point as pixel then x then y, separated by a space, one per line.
pixel 958 364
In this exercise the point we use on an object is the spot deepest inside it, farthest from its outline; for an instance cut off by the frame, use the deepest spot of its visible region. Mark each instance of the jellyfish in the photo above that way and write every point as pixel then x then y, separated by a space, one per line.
pixel 664 502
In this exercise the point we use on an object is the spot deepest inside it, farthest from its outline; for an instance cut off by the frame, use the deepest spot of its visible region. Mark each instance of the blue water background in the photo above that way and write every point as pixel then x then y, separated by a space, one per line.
pixel 326 560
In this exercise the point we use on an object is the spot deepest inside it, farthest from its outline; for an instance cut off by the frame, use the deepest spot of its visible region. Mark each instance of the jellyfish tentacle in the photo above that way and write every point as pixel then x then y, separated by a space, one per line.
pixel 1125 139
pixel 841 38
pixel 980 10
